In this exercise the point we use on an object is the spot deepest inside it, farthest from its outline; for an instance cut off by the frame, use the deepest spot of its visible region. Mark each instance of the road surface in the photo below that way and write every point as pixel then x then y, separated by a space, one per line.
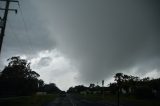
pixel 71 100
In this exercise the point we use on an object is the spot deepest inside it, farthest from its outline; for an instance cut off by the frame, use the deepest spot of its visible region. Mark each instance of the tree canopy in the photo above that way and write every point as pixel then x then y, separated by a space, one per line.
pixel 18 68
pixel 17 78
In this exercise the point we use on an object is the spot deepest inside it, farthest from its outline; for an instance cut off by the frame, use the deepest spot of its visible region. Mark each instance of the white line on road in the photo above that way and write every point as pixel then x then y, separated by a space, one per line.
pixel 71 101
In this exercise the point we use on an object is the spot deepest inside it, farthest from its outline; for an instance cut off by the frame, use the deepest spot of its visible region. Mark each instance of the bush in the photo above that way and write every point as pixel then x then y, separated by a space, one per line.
pixel 143 92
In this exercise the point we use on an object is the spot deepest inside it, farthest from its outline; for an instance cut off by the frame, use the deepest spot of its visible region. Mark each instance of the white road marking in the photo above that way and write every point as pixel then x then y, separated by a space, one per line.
pixel 71 101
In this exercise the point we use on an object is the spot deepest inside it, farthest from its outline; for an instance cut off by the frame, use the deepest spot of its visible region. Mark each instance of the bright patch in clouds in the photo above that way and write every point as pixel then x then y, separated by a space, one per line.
pixel 54 67
pixel 152 74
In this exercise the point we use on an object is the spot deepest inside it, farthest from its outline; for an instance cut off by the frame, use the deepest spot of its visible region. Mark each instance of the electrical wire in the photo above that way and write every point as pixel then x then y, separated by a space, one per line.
pixel 14 34
pixel 16 38
pixel 25 28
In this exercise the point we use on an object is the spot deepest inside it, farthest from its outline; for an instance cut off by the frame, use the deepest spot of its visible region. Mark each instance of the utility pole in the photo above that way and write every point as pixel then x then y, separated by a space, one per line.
pixel 3 20
pixel 103 89
pixel 119 84
pixel 118 96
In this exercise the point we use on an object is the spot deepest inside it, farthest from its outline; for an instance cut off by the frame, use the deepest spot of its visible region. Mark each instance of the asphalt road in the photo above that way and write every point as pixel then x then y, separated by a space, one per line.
pixel 71 100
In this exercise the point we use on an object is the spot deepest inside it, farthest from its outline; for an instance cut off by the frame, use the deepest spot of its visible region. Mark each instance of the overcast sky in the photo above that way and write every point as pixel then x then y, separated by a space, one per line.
pixel 72 42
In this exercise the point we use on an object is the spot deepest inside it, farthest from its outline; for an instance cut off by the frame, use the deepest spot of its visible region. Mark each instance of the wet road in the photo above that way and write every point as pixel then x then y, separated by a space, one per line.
pixel 71 100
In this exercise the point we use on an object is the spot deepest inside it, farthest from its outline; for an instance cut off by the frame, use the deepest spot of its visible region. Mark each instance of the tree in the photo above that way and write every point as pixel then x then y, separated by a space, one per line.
pixel 78 89
pixel 51 88
pixel 91 85
pixel 125 78
pixel 40 85
pixel 119 77
pixel 19 68
pixel 17 78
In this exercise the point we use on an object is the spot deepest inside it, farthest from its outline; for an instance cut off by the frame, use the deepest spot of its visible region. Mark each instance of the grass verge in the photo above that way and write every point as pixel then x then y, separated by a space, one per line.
pixel 124 100
pixel 35 100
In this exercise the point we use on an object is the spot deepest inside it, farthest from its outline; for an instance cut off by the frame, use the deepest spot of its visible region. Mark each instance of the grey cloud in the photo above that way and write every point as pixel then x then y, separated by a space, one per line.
pixel 107 36
pixel 26 32
pixel 102 36
pixel 45 61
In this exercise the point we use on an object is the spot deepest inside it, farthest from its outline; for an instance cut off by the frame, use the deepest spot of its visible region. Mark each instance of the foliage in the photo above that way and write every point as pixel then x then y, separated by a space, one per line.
pixel 141 88
pixel 17 78
pixel 51 88
pixel 77 89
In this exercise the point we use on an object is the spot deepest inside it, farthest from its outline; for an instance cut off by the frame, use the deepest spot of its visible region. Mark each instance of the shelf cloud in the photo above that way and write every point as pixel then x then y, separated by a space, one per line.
pixel 98 37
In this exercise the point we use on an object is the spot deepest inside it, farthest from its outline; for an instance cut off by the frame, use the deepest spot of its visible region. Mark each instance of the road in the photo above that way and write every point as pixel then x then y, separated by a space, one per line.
pixel 71 100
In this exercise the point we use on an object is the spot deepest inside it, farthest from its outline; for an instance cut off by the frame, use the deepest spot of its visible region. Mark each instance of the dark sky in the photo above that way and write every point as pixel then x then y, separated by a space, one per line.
pixel 85 41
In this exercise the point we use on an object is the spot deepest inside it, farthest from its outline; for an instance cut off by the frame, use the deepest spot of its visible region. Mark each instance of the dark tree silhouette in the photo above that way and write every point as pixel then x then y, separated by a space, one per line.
pixel 19 68
pixel 51 88
pixel 133 85
pixel 17 78
pixel 78 89
pixel 40 85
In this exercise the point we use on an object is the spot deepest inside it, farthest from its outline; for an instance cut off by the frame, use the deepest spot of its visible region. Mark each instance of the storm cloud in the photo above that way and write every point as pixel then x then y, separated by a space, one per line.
pixel 107 36
pixel 101 37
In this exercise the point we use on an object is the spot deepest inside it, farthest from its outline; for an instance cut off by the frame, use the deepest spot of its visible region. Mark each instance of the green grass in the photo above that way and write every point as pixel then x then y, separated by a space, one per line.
pixel 34 100
pixel 125 100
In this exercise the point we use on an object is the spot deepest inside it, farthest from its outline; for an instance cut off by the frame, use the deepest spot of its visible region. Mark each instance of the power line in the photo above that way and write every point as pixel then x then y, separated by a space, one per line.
pixel 3 23
pixel 25 28
pixel 13 37
pixel 3 20
pixel 14 34
pixel 19 40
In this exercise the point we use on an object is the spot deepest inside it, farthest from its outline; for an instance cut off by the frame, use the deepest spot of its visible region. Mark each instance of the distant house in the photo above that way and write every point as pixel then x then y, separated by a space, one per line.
pixel 83 93
pixel 96 90
pixel 41 93
pixel 107 92
pixel 123 91
pixel 128 91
